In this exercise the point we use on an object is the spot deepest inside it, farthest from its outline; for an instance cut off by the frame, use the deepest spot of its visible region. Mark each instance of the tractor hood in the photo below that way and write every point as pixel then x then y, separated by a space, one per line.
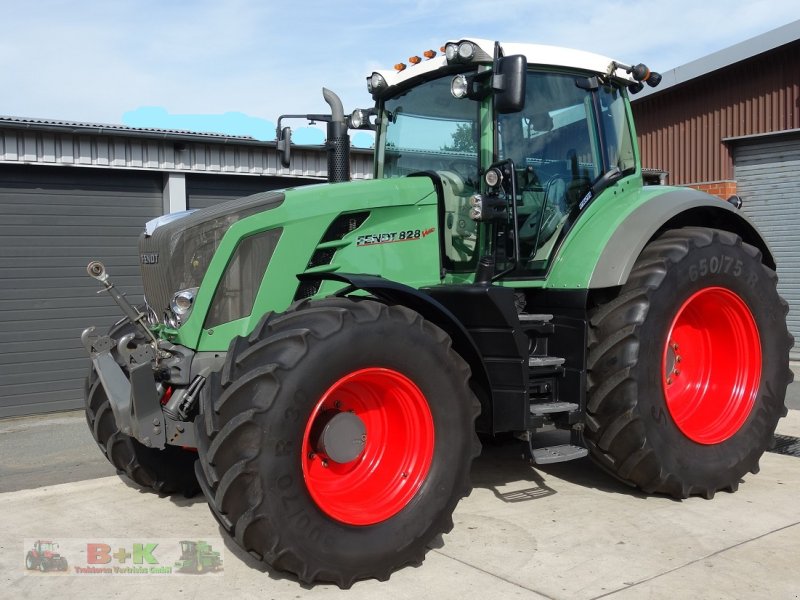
pixel 345 227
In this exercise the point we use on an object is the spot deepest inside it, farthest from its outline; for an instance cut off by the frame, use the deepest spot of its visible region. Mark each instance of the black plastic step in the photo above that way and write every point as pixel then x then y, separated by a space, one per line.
pixel 539 318
pixel 548 408
pixel 545 361
pixel 556 454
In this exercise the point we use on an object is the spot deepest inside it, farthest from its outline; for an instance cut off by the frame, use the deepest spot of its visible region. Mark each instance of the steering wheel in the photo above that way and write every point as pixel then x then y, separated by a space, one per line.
pixel 554 191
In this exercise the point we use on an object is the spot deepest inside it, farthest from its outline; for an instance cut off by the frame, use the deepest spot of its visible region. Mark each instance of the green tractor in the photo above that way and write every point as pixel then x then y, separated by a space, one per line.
pixel 324 358
pixel 198 557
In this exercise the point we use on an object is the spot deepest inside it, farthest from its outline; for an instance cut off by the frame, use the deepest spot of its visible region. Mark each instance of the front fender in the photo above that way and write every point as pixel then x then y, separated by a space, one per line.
pixel 430 309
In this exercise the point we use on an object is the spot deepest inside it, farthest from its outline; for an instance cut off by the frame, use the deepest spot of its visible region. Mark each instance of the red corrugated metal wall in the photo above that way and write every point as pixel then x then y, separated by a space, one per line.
pixel 681 129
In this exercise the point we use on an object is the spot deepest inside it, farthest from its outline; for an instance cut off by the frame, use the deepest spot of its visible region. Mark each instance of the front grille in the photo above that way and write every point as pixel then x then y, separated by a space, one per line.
pixel 177 254
pixel 158 290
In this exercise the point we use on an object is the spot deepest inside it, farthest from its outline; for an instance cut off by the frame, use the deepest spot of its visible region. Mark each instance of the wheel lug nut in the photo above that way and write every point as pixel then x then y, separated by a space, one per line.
pixel 337 405
pixel 324 463
pixel 669 380
pixel 311 456
pixel 678 358
pixel 405 475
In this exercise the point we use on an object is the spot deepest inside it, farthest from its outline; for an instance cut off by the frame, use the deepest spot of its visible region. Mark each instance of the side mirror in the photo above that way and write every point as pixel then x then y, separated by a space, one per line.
pixel 284 146
pixel 508 83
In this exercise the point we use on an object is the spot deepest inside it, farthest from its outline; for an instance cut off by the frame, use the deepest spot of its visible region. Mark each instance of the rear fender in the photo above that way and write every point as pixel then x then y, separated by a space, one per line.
pixel 673 210
pixel 600 252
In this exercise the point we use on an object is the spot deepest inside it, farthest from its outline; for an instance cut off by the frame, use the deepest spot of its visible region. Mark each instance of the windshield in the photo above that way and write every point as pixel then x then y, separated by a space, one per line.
pixel 427 129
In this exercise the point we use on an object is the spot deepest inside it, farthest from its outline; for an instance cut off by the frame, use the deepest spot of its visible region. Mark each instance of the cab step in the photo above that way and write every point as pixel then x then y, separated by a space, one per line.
pixel 539 318
pixel 557 454
pixel 547 408
pixel 545 361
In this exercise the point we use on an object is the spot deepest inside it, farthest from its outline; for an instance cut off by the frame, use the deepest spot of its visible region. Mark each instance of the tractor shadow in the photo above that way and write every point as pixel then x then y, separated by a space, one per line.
pixel 177 499
pixel 232 550
pixel 506 469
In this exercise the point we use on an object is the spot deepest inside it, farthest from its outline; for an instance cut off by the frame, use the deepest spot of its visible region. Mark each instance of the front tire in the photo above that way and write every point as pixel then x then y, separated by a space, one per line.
pixel 338 439
pixel 688 366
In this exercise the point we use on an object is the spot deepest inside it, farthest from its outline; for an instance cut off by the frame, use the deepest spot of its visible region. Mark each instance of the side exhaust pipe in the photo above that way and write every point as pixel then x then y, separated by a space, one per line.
pixel 338 143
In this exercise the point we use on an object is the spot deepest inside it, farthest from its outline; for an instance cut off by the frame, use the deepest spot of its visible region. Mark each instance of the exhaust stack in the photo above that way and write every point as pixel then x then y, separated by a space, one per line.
pixel 338 142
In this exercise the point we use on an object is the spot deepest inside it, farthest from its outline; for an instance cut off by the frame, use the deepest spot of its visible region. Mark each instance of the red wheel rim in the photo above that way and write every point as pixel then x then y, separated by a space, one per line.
pixel 711 365
pixel 397 452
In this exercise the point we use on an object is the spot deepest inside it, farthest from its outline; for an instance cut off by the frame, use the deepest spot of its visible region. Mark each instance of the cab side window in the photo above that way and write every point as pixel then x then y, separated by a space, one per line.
pixel 554 145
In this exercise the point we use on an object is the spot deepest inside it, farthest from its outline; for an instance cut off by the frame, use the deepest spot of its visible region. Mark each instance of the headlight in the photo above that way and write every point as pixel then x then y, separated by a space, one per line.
pixel 466 50
pixel 459 86
pixel 493 177
pixel 489 208
pixel 476 212
pixel 375 83
pixel 357 119
pixel 460 53
pixel 182 303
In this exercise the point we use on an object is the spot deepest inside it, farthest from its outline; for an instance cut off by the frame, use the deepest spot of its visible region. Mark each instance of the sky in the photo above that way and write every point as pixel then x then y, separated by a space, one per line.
pixel 234 66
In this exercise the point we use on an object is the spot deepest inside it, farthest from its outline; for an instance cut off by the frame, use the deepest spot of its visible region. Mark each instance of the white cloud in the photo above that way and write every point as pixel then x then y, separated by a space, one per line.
pixel 97 61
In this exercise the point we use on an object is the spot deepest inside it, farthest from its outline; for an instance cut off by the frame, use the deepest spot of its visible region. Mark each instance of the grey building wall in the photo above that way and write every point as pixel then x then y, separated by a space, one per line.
pixel 767 173
pixel 52 223
pixel 25 141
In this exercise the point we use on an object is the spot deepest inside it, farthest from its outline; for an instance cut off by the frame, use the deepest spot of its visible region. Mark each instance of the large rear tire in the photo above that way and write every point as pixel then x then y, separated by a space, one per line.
pixel 688 366
pixel 338 439
pixel 166 471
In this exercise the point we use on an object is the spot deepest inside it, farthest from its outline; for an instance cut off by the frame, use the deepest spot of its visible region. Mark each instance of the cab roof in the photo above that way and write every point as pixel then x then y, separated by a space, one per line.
pixel 535 54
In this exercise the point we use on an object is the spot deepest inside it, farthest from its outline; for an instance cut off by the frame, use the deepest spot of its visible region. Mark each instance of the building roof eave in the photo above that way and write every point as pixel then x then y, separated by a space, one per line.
pixel 724 58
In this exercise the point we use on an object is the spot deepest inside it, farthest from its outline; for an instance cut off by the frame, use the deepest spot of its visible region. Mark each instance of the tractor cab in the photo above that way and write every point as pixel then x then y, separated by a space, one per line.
pixel 45 548
pixel 188 550
pixel 515 142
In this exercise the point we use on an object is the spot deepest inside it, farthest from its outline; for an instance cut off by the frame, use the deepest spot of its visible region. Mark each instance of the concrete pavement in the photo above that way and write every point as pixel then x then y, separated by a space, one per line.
pixel 563 532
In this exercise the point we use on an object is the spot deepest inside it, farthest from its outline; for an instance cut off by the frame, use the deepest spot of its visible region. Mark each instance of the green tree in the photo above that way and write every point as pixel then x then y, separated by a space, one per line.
pixel 463 139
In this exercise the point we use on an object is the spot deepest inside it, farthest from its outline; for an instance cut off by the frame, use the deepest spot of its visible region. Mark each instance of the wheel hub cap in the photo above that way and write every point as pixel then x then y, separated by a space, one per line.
pixel 343 437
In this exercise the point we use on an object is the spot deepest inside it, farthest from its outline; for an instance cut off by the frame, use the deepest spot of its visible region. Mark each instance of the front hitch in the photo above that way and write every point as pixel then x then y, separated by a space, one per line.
pixel 129 371
pixel 135 402
pixel 134 397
